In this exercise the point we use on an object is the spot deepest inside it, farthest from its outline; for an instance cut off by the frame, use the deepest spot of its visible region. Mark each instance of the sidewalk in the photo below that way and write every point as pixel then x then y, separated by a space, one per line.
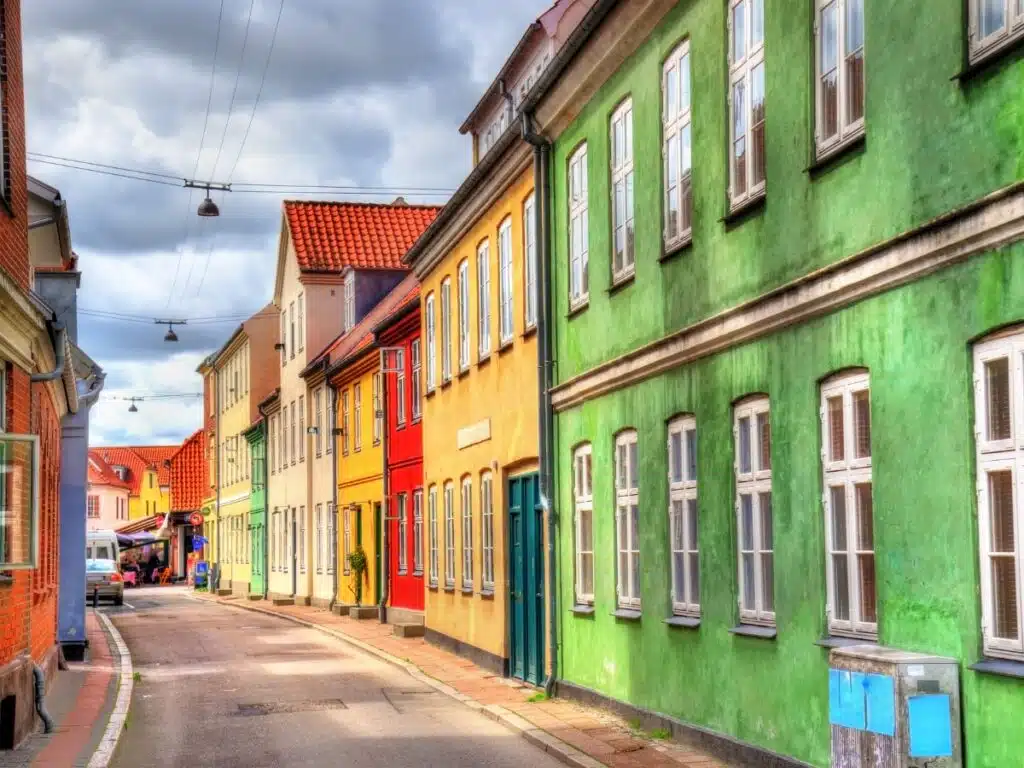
pixel 80 701
pixel 575 734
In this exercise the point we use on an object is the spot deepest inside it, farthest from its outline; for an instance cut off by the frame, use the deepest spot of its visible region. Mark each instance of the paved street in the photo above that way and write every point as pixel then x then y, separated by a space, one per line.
pixel 220 687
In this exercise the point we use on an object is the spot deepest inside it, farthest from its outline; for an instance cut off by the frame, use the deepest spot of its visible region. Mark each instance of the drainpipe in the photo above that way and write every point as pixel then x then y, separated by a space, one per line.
pixel 385 571
pixel 265 429
pixel 58 371
pixel 334 496
pixel 216 511
pixel 541 162
pixel 86 400
pixel 40 680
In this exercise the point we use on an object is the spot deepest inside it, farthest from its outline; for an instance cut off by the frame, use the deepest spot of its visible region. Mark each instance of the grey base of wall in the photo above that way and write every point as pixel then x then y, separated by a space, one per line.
pixel 398 615
pixel 321 602
pixel 717 745
pixel 279 599
pixel 240 588
pixel 18 717
pixel 302 599
pixel 478 656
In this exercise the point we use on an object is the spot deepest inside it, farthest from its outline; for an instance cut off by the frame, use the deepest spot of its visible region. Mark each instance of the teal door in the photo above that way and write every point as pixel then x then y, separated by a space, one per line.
pixel 526 579
pixel 256 582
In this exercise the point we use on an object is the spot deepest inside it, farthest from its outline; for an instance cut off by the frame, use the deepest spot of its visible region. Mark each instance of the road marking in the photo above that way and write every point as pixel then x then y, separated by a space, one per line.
pixel 115 726
pixel 128 605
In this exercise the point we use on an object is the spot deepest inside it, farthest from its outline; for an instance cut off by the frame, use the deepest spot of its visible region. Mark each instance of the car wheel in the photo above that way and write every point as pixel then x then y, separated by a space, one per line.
pixel 119 599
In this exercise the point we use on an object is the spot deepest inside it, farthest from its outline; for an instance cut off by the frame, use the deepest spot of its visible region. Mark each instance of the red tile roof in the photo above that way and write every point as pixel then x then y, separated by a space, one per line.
pixel 158 455
pixel 188 475
pixel 138 459
pixel 101 473
pixel 329 237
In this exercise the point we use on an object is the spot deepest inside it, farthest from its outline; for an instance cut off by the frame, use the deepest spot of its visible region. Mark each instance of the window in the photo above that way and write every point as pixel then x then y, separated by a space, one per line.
pixel 417 532
pixel 93 503
pixel 332 512
pixel 344 422
pixel 348 310
pixel 293 450
pixel 319 538
pixel 346 540
pixel 994 24
pixel 675 87
pixel 682 515
pixel 467 534
pixel 302 325
pixel 378 410
pixel 284 339
pixel 291 333
pixel 483 299
pixel 432 532
pixel 839 28
pixel 449 536
pixel 579 229
pixel 999 430
pixel 302 539
pixel 506 299
pixel 583 497
pixel 530 263
pixel 357 417
pixel 330 394
pixel 403 533
pixel 417 404
pixel 849 525
pixel 400 387
pixel 627 520
pixel 284 436
pixel 746 100
pixel 487 530
pixel 463 315
pixel 302 427
pixel 431 343
pixel 317 396
pixel 446 330
pixel 753 439
pixel 623 261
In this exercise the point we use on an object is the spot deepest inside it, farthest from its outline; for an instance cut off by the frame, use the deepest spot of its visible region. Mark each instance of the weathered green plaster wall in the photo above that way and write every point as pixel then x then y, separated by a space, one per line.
pixel 915 341
pixel 933 144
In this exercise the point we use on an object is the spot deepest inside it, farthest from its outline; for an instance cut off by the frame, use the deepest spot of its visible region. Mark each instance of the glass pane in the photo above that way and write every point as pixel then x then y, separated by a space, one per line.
pixel 866 565
pixel 579 475
pixel 686 195
pixel 1004 597
pixel 997 389
pixel 618 142
pixel 767 582
pixel 764 432
pixel 862 424
pixel 757 174
pixel 627 150
pixel 746 522
pixel 634 467
pixel 672 93
pixel 675 456
pixel 691 454
pixel 1000 490
pixel 691 524
pixel 765 503
pixel 623 585
pixel 685 158
pixel 694 579
pixel 586 542
pixel 621 524
pixel 748 582
pixel 635 582
pixel 855 86
pixel 865 516
pixel 587 474
pixel 620 467
pixel 836 437
pixel 672 162
pixel 684 81
pixel 634 517
pixel 829 38
pixel 677 525
pixel 679 576
pixel 756 22
pixel 744 445
pixel 992 16
pixel 841 597
pixel 739 31
pixel 587 575
pixel 739 106
pixel 838 508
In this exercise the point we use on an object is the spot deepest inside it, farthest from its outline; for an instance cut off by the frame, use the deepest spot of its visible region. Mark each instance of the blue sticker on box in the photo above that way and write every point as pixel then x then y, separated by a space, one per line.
pixel 931 729
pixel 846 699
pixel 880 692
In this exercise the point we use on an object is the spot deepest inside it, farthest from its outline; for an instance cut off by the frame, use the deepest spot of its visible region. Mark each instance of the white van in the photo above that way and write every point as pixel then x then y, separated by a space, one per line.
pixel 102 545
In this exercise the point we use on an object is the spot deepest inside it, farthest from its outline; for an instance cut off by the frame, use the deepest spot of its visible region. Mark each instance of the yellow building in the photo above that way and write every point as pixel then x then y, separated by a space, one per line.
pixel 145 469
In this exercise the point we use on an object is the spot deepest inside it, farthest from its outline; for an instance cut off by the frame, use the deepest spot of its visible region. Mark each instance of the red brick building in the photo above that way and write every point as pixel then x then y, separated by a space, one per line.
pixel 37 388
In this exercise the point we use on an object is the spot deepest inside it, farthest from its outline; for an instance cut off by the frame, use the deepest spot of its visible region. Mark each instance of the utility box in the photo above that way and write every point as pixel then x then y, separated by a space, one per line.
pixel 893 709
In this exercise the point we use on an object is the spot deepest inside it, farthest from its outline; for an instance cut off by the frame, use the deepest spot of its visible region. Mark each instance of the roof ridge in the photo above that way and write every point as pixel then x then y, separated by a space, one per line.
pixel 361 203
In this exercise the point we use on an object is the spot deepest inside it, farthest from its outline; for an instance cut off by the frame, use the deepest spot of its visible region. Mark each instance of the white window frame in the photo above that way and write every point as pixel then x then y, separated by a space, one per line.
pixel 483 299
pixel 417 532
pixel 449 535
pixel 506 288
pixel 464 315
pixel 302 539
pixel 431 332
pixel 319 538
pixel 302 428
pixel 530 262
pixel 684 535
pixel 446 330
pixel 846 129
pixel 402 503
pixel 349 302
pixel 1000 455
pixel 317 407
pixel 487 531
pixel 1011 31
pixel 754 481
pixel 627 499
pixel 432 534
pixel 400 388
pixel 417 389
pixel 676 131
pixel 583 504
pixel 357 417
pixel 466 508
pixel 331 396
pixel 332 554
pixel 291 326
pixel 344 422
pixel 621 126
pixel 578 188
pixel 346 540
pixel 284 338
pixel 378 407
pixel 741 71
pixel 302 325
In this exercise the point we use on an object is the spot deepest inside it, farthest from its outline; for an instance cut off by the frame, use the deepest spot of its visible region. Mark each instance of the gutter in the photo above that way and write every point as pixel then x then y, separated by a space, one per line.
pixel 542 180
pixel 385 571
pixel 88 398
pixel 334 495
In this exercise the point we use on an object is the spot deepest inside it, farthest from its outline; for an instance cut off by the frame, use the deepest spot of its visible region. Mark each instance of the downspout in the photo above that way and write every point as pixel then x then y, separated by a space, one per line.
pixel 40 680
pixel 334 495
pixel 385 571
pixel 265 429
pixel 216 511
pixel 86 400
pixel 58 371
pixel 541 162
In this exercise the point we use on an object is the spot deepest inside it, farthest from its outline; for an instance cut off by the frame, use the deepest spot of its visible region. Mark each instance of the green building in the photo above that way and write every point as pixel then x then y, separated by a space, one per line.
pixel 257 439
pixel 787 283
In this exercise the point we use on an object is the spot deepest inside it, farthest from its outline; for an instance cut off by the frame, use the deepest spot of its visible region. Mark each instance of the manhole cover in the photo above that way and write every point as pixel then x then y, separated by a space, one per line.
pixel 289 707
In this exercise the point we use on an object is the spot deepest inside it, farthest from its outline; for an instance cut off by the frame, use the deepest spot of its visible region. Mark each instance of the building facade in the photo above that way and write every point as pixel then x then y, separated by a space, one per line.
pixel 319 541
pixel 106 495
pixel 187 469
pixel 256 437
pixel 779 283
pixel 144 469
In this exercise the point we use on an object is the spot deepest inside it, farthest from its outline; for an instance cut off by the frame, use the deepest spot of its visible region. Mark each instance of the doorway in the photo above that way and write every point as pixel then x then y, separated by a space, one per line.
pixel 526 579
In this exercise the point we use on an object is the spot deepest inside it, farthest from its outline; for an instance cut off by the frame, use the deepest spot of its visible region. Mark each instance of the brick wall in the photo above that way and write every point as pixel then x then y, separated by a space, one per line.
pixel 13 228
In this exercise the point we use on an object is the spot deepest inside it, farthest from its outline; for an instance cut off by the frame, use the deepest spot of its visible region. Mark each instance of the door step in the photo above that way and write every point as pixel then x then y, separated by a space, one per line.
pixel 223 592
pixel 283 601
pixel 256 596
pixel 364 612
pixel 408 630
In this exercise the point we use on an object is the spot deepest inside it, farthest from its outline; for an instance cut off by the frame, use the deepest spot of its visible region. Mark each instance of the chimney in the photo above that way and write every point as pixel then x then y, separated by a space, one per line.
pixel 399 202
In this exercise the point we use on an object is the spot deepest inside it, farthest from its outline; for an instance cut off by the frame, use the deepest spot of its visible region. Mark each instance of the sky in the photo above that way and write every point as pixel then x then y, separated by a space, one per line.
pixel 355 92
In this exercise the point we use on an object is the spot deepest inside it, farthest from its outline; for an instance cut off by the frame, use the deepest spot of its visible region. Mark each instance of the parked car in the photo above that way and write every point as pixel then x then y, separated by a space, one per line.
pixel 105 577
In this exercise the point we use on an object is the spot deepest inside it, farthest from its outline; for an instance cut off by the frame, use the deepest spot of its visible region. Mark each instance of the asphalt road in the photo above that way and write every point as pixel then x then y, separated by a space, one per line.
pixel 217 686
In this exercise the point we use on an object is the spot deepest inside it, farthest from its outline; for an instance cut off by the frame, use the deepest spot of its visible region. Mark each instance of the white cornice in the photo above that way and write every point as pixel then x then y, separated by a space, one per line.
pixel 992 222
pixel 21 323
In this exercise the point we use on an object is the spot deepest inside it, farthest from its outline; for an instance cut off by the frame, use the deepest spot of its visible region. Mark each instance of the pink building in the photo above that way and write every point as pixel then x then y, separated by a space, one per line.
pixel 106 495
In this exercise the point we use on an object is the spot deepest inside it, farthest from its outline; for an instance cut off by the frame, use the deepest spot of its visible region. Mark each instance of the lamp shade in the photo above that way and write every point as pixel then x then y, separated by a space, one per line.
pixel 170 335
pixel 208 208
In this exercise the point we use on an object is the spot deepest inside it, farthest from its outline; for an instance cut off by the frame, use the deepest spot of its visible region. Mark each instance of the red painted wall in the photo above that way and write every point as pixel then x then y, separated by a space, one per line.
pixel 405 467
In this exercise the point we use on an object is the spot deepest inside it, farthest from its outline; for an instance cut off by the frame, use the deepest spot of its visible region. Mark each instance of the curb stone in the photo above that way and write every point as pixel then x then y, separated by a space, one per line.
pixel 115 726
pixel 540 738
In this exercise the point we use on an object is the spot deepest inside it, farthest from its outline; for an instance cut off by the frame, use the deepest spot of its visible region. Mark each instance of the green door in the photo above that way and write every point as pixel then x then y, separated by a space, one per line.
pixel 526 579
pixel 256 583
pixel 378 535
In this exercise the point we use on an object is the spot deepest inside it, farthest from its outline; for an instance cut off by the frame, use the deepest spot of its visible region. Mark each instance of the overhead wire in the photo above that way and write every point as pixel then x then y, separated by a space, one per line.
pixel 234 91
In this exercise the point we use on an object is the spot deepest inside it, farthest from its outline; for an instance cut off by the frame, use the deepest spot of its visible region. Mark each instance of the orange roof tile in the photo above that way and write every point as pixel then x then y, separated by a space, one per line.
pixel 101 473
pixel 158 455
pixel 329 237
pixel 188 475
pixel 137 459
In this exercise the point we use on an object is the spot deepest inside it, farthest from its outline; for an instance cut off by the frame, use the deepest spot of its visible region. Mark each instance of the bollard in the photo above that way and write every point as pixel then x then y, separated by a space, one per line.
pixel 95 598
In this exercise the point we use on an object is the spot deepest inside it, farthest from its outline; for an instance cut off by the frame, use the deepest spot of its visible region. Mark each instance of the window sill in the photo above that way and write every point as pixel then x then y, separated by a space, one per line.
pixel 467 591
pixel 671 250
pixel 486 594
pixel 751 630
pixel 835 641
pixel 445 384
pixel 429 393
pixel 623 282
pixel 999 667
pixel 745 210
pixel 528 332
pixel 505 346
pixel 846 150
pixel 1004 53
pixel 417 420
pixel 450 590
pixel 418 572
pixel 684 622
pixel 483 360
pixel 463 372
pixel 581 609
pixel 577 309
pixel 432 587
pixel 627 614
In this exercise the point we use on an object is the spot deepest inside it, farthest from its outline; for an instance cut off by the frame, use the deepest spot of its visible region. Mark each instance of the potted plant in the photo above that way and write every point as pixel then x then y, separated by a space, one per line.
pixel 357 562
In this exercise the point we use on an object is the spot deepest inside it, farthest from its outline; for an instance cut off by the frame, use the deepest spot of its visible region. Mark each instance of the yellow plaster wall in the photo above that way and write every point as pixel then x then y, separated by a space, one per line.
pixel 235 476
pixel 155 500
